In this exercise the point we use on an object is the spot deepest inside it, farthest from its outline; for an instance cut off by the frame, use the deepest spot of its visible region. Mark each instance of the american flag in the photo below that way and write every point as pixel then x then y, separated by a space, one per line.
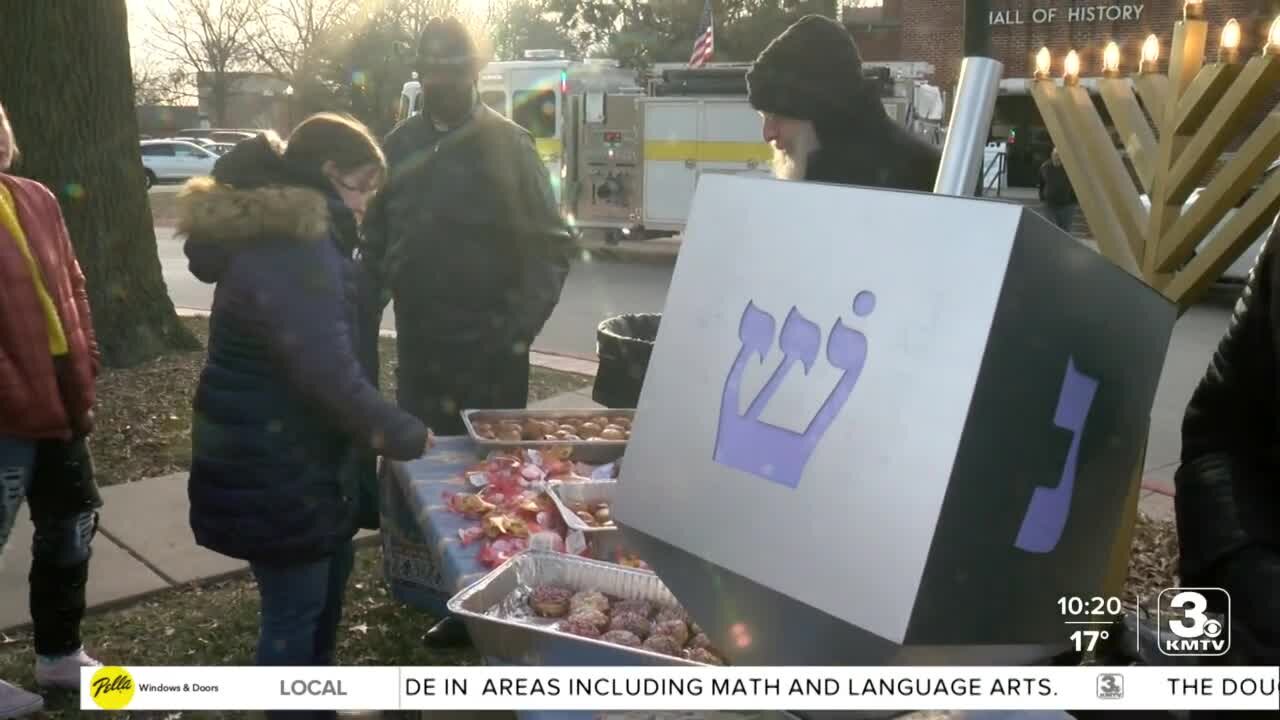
pixel 705 45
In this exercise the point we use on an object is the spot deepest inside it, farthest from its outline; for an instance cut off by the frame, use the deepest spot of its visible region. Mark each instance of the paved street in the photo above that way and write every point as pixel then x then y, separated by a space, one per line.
pixel 595 290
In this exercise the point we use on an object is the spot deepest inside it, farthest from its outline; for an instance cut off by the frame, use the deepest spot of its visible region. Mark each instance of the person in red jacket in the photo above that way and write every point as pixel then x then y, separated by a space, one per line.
pixel 48 364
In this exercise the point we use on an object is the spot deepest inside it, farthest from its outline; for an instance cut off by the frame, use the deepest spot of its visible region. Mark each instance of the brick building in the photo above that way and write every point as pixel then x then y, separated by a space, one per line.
pixel 931 31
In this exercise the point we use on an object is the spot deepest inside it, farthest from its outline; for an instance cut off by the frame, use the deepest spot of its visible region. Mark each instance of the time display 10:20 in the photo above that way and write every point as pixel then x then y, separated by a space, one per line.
pixel 1074 606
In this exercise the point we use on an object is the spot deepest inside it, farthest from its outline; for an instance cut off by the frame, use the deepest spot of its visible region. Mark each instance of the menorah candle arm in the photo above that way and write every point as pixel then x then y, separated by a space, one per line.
pixel 1202 96
pixel 1106 167
pixel 1051 101
pixel 1185 59
pixel 1153 89
pixel 1255 83
pixel 1236 234
pixel 1219 196
pixel 1186 56
pixel 1139 141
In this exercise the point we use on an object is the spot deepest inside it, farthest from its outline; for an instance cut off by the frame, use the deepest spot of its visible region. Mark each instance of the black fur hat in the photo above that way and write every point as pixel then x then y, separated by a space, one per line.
pixel 812 71
pixel 446 44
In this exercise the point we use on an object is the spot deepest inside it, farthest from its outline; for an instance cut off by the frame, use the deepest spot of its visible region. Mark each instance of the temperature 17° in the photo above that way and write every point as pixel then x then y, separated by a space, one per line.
pixel 1087 640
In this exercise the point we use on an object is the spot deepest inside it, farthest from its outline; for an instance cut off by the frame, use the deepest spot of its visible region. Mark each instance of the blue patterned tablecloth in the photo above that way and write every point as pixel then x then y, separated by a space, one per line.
pixel 423 559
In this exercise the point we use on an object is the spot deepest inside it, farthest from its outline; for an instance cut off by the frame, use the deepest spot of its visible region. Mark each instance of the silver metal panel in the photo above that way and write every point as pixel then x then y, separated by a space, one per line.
pixel 970 126
pixel 851 537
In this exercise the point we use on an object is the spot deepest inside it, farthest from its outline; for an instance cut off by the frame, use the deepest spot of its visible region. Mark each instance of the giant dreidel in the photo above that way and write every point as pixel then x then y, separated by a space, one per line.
pixel 884 427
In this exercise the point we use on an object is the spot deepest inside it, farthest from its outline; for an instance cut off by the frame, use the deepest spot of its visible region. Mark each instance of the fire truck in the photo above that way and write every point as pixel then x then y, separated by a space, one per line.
pixel 625 151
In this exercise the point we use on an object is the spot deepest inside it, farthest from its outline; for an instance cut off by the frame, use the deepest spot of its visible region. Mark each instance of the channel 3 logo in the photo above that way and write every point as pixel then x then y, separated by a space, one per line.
pixel 1110 686
pixel 1189 627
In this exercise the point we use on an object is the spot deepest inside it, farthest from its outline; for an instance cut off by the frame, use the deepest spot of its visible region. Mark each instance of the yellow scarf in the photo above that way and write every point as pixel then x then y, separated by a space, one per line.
pixel 9 219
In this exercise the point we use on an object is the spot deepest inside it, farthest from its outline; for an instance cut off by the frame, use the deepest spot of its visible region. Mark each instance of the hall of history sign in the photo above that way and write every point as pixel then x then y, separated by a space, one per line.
pixel 1130 12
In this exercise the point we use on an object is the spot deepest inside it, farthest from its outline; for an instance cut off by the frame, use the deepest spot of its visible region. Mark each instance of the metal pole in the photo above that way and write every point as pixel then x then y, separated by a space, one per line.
pixel 974 105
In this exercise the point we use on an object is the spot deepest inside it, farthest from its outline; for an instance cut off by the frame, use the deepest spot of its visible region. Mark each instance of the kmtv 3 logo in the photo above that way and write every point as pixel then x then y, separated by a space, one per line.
pixel 1184 625
pixel 1047 513
pixel 747 443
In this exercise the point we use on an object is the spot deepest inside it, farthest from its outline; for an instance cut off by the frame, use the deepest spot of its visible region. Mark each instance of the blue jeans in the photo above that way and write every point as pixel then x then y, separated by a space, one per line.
pixel 301 607
pixel 61 545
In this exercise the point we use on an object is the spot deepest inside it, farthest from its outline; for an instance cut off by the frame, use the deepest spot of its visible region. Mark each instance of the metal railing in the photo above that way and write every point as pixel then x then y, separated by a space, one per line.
pixel 994 180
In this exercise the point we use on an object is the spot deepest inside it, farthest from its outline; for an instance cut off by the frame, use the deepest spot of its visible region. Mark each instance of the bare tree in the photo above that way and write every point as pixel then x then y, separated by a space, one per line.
pixel 290 37
pixel 155 85
pixel 210 37
pixel 81 135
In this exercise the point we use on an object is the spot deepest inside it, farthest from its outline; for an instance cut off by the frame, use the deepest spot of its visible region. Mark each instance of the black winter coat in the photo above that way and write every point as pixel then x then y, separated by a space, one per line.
pixel 467 237
pixel 1228 486
pixel 880 154
pixel 283 403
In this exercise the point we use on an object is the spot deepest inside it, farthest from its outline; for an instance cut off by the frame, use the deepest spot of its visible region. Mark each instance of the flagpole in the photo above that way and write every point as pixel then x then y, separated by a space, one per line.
pixel 974 105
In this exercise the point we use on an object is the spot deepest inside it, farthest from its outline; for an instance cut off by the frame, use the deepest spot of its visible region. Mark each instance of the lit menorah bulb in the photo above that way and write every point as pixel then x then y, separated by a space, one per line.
pixel 1044 62
pixel 1229 47
pixel 1071 68
pixel 1193 10
pixel 1150 53
pixel 1111 60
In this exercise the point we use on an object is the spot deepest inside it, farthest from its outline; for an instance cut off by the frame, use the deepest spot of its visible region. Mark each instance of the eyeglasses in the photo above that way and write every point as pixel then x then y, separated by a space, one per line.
pixel 367 190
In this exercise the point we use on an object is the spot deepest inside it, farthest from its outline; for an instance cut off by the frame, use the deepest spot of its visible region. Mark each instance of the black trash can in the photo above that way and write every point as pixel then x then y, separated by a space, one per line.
pixel 623 344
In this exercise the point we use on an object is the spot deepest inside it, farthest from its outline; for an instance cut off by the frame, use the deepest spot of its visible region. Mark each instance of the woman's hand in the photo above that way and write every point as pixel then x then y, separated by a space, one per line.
pixel 430 443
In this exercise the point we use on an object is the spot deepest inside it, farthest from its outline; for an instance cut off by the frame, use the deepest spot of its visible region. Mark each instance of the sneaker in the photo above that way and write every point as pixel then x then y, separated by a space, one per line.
pixel 16 702
pixel 63 673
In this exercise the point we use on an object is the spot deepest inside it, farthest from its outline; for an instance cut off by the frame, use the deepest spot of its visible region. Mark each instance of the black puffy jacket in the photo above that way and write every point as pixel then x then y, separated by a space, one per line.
pixel 1228 486
pixel 283 402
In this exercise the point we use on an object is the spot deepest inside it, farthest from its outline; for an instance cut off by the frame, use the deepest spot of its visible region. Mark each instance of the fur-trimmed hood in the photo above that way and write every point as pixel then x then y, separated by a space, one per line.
pixel 219 219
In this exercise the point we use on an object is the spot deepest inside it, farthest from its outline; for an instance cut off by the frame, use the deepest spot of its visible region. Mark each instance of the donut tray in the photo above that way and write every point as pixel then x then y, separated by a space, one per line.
pixel 565 495
pixel 496 611
pixel 596 452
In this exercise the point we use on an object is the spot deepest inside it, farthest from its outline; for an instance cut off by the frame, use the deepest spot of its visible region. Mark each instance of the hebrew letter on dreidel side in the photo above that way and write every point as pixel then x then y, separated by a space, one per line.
pixel 1046 516
pixel 800 341
pixel 755 333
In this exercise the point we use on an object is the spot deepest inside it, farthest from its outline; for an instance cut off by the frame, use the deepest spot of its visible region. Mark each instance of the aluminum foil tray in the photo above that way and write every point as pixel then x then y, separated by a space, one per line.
pixel 496 611
pixel 565 495
pixel 587 451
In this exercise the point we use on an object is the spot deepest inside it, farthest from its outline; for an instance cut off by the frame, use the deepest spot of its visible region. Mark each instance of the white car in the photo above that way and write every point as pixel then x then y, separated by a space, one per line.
pixel 1238 271
pixel 175 160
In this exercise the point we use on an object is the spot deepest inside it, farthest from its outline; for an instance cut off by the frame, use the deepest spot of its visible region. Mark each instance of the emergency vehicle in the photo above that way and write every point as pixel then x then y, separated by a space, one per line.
pixel 625 152
pixel 534 93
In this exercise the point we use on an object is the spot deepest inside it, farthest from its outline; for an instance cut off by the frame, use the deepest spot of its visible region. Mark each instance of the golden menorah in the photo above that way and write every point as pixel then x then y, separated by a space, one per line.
pixel 1173 129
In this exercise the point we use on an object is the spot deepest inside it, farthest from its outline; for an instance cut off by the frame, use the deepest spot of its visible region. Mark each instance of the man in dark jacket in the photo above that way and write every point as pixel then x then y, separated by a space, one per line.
pixel 467 240
pixel 1228 495
pixel 825 121
pixel 1056 192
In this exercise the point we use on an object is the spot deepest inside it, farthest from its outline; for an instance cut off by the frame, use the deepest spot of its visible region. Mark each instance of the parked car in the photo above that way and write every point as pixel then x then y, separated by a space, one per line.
pixel 221 135
pixel 202 142
pixel 220 148
pixel 175 160
pixel 1238 271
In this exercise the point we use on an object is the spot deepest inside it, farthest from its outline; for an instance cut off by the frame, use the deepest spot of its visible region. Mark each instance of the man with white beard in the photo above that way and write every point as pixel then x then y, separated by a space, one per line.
pixel 825 122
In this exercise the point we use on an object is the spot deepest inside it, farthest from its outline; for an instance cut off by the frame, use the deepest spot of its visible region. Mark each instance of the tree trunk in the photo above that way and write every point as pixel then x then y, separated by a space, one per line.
pixel 67 86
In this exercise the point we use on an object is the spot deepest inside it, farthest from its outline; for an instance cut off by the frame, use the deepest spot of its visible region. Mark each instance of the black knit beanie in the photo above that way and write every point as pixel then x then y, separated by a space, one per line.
pixel 812 71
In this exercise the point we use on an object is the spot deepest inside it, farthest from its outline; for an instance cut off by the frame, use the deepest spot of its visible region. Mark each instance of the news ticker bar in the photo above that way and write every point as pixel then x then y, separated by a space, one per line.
pixel 680 688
